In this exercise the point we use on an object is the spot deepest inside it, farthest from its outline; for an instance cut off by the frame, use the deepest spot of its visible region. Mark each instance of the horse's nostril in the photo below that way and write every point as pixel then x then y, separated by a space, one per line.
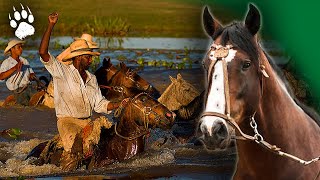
pixel 220 130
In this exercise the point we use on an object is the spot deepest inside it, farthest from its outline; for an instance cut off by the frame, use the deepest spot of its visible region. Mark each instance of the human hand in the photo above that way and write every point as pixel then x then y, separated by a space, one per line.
pixel 53 18
pixel 18 66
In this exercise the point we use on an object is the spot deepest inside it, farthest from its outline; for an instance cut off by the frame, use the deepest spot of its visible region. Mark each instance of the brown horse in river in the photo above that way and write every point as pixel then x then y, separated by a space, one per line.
pixel 244 90
pixel 108 77
pixel 126 138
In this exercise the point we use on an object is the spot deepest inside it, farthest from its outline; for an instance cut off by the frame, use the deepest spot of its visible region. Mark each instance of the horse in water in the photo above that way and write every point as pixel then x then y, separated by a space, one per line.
pixel 122 141
pixel 126 138
pixel 246 97
pixel 108 76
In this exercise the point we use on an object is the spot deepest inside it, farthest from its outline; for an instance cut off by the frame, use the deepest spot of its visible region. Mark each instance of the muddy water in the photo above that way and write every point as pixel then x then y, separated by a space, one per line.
pixel 165 157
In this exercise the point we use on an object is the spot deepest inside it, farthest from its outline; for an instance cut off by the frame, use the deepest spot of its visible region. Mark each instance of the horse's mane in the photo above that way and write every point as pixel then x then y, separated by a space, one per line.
pixel 308 110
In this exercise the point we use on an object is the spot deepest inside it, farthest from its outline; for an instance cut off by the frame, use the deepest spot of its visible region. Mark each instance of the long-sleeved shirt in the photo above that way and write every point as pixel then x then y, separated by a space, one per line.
pixel 72 96
pixel 17 79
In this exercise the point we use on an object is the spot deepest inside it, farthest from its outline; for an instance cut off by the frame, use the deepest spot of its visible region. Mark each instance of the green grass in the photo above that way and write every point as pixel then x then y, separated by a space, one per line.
pixel 144 18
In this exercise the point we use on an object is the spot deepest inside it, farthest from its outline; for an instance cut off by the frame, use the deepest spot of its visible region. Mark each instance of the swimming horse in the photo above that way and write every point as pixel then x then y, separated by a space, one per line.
pixel 246 97
pixel 126 138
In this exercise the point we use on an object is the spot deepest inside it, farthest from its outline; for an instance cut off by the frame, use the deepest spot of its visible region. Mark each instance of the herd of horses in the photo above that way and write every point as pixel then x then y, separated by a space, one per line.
pixel 245 101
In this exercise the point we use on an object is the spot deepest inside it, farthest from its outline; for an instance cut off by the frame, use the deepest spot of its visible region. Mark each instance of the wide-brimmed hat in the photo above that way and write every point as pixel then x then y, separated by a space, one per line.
pixel 79 47
pixel 89 39
pixel 11 44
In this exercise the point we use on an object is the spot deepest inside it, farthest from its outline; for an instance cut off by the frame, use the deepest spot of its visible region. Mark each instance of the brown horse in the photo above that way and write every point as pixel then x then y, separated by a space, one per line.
pixel 105 73
pixel 126 138
pixel 122 141
pixel 120 86
pixel 244 91
pixel 141 83
pixel 109 76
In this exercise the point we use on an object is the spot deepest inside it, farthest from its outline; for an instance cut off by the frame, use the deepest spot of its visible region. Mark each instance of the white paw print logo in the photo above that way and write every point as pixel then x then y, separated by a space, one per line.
pixel 23 21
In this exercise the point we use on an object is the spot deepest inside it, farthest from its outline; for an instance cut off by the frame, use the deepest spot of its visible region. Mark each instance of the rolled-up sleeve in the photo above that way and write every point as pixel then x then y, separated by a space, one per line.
pixel 54 67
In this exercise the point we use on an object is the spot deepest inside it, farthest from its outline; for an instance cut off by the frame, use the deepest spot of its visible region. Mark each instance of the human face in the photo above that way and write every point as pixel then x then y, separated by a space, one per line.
pixel 86 61
pixel 16 50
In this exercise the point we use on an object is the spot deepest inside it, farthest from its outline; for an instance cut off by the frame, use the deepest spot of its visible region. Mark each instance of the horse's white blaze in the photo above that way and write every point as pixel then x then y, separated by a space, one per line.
pixel 216 101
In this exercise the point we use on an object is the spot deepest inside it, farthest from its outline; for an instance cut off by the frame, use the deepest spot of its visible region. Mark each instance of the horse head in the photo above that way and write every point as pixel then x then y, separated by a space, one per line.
pixel 234 75
pixel 178 93
pixel 144 112
pixel 141 83
pixel 105 72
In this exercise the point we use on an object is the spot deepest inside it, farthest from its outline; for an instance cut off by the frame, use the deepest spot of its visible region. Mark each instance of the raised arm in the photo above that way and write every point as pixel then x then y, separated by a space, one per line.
pixel 43 49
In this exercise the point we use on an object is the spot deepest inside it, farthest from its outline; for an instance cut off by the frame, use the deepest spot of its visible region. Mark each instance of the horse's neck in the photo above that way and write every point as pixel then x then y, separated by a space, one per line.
pixel 278 112
pixel 283 123
pixel 127 126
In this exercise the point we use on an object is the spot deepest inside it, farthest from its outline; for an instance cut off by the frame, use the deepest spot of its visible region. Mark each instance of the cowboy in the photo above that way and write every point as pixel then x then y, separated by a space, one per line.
pixel 76 93
pixel 17 73
pixel 48 97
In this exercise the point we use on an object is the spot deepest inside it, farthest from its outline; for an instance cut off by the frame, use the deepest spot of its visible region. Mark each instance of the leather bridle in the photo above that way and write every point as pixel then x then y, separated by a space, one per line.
pixel 146 110
pixel 221 52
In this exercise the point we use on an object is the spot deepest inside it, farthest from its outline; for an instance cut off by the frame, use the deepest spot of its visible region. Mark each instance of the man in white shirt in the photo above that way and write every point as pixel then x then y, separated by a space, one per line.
pixel 76 93
pixel 17 73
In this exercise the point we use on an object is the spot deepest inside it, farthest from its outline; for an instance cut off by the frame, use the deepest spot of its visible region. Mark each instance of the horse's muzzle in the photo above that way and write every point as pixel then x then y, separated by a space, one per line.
pixel 214 133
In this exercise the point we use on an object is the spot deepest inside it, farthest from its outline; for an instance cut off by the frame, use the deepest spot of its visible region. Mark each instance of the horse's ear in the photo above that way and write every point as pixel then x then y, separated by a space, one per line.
pixel 172 79
pixel 179 76
pixel 106 63
pixel 252 21
pixel 123 66
pixel 210 25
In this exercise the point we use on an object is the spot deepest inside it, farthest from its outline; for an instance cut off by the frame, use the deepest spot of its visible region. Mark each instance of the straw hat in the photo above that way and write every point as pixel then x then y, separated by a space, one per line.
pixel 87 37
pixel 79 47
pixel 11 44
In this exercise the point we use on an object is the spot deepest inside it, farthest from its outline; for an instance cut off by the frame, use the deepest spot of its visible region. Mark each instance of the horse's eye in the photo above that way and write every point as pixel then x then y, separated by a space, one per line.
pixel 246 65
pixel 144 99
